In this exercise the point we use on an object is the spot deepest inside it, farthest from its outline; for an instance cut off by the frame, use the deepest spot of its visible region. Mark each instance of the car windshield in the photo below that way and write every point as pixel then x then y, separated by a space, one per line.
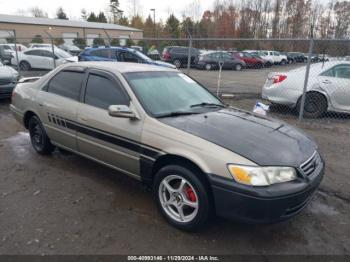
pixel 167 93
pixel 141 55
pixel 62 54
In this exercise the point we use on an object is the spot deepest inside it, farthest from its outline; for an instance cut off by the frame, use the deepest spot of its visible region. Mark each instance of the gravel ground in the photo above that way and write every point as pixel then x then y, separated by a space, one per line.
pixel 65 204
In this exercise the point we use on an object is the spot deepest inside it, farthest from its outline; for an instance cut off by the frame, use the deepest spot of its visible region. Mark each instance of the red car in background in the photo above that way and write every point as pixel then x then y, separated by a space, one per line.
pixel 251 61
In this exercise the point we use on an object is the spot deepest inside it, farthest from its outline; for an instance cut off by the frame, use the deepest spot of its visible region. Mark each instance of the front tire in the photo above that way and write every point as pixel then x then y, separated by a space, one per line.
pixel 40 141
pixel 238 67
pixel 208 67
pixel 25 66
pixel 177 63
pixel 315 105
pixel 182 197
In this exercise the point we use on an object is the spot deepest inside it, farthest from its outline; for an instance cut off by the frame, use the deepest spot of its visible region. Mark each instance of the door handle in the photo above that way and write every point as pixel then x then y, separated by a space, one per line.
pixel 326 82
pixel 40 104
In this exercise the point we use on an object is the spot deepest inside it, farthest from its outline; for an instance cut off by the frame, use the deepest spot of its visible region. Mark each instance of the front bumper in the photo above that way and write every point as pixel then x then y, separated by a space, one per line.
pixel 280 94
pixel 6 90
pixel 263 204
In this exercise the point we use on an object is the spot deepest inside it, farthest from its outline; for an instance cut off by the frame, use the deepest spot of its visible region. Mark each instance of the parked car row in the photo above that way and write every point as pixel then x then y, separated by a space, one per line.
pixel 209 59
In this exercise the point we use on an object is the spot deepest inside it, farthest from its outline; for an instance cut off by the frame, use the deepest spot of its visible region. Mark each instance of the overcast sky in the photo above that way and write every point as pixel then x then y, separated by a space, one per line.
pixel 73 7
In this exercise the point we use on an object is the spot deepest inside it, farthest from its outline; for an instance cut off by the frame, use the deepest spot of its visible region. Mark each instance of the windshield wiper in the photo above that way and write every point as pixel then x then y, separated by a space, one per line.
pixel 177 113
pixel 204 104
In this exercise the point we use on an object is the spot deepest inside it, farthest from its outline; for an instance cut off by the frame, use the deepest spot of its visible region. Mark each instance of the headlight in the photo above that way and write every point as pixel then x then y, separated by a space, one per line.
pixel 262 176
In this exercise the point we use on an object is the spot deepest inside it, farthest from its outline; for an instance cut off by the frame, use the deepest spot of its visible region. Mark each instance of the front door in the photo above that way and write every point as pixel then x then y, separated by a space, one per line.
pixel 336 82
pixel 111 140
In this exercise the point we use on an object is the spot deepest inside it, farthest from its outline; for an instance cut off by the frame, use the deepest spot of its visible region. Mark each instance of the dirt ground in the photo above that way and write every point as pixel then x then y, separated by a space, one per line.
pixel 65 204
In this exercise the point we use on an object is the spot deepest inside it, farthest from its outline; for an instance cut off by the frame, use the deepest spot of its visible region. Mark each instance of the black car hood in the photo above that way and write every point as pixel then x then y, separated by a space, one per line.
pixel 264 141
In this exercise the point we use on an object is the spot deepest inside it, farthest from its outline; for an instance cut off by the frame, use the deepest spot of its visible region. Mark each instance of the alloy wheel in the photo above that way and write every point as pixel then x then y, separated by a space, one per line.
pixel 36 135
pixel 178 198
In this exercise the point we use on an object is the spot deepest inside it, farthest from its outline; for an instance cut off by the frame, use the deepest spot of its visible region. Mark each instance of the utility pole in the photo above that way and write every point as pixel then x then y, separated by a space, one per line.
pixel 154 21
pixel 53 47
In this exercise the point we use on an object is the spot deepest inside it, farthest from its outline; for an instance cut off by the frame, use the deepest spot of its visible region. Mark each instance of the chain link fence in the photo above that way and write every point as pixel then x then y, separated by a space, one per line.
pixel 303 80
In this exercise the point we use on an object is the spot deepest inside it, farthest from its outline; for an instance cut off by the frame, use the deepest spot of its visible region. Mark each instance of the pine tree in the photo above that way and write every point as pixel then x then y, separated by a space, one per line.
pixel 60 14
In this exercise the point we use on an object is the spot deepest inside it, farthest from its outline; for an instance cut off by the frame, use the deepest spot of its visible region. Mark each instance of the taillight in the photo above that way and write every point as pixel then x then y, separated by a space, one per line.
pixel 279 78
pixel 166 55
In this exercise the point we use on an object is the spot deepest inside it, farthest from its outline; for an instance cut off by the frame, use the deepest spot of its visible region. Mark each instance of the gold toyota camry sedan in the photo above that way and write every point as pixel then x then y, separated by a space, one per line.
pixel 163 128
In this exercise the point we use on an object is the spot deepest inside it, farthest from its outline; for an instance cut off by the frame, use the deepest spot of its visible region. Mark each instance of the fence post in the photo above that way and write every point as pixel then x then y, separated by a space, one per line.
pixel 307 73
pixel 189 55
pixel 53 49
pixel 18 67
pixel 109 38
pixel 53 52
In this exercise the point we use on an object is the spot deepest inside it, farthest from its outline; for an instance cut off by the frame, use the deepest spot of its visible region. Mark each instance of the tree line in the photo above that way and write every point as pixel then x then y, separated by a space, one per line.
pixel 237 19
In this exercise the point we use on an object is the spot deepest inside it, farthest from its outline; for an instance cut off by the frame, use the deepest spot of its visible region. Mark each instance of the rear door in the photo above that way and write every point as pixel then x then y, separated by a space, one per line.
pixel 47 59
pixel 111 140
pixel 33 57
pixel 228 61
pixel 336 82
pixel 58 104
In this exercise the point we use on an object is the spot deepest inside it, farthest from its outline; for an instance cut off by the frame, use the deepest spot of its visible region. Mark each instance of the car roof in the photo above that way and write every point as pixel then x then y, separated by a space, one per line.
pixel 121 67
pixel 110 47
pixel 41 48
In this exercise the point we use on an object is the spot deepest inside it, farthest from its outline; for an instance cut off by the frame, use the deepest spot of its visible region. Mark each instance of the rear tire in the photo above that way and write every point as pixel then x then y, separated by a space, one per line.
pixel 40 141
pixel 315 105
pixel 25 66
pixel 192 198
pixel 283 62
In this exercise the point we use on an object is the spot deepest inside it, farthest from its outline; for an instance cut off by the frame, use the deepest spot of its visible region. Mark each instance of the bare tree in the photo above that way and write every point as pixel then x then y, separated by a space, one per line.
pixel 342 11
pixel 38 12
pixel 276 18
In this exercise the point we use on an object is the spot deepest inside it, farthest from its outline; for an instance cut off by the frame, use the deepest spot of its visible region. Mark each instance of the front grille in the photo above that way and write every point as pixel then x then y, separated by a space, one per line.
pixel 6 81
pixel 310 165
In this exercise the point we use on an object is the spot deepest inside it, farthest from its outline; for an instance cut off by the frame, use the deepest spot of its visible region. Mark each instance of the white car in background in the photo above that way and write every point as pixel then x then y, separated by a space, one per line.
pixel 41 46
pixel 12 47
pixel 328 88
pixel 276 57
pixel 42 58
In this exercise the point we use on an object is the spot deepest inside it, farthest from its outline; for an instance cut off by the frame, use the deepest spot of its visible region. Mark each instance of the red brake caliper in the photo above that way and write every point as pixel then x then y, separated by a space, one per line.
pixel 190 194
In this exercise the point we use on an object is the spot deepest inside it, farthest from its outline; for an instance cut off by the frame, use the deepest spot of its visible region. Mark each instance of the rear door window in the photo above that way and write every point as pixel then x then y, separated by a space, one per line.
pixel 33 52
pixel 105 53
pixel 46 53
pixel 66 84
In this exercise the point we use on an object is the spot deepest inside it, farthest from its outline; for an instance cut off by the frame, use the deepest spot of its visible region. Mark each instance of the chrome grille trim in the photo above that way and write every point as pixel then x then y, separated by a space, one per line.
pixel 309 166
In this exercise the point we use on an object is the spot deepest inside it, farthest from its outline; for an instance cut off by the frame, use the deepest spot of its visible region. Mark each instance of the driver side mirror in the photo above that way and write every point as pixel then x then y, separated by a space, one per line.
pixel 121 111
